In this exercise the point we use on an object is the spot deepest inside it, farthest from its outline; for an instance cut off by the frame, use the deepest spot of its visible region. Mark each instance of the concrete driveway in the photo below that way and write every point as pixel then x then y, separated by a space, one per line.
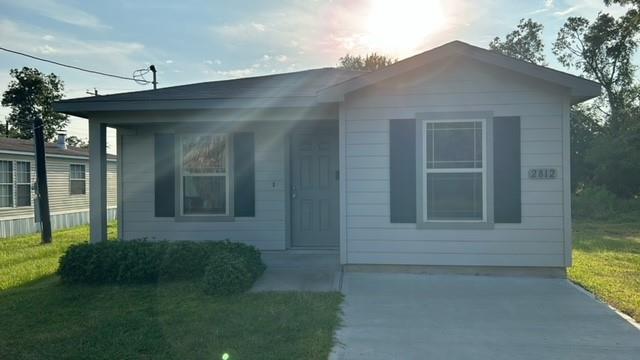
pixel 412 316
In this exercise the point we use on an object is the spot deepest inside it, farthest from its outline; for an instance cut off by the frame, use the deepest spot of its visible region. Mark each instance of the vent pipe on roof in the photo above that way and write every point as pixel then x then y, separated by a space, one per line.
pixel 62 140
pixel 155 82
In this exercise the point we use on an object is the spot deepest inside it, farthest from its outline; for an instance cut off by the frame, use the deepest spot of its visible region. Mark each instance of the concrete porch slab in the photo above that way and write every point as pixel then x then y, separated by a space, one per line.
pixel 299 270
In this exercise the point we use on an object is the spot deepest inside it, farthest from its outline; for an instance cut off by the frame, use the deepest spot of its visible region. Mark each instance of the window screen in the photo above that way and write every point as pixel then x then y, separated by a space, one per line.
pixel 454 170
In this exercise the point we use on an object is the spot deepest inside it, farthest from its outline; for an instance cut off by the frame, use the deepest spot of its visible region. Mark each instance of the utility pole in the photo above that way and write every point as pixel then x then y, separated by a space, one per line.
pixel 41 179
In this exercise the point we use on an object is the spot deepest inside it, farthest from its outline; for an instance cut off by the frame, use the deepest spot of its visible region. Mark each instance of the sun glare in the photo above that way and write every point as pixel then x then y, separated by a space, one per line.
pixel 399 27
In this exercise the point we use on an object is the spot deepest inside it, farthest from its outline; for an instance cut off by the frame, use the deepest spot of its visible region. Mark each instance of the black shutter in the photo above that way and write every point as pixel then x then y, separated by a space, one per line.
pixel 165 179
pixel 402 170
pixel 244 175
pixel 507 198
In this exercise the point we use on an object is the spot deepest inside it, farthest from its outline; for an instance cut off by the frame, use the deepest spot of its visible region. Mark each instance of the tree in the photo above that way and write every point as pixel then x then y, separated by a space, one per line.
pixel 75 141
pixel 369 62
pixel 585 128
pixel 632 15
pixel 524 43
pixel 603 51
pixel 30 94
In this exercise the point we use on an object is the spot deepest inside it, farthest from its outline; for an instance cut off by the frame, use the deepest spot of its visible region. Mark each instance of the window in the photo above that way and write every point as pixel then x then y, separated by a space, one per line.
pixel 23 183
pixel 6 183
pixel 20 181
pixel 454 180
pixel 77 179
pixel 204 175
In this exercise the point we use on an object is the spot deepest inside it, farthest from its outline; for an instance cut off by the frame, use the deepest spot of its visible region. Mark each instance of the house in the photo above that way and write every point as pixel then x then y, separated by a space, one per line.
pixel 457 156
pixel 67 175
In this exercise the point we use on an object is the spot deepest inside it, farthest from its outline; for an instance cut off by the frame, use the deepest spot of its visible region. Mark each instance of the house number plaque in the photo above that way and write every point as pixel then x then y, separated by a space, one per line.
pixel 543 173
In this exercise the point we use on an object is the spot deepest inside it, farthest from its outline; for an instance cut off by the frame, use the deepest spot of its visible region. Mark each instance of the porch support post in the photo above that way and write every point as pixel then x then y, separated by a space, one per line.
pixel 342 156
pixel 98 181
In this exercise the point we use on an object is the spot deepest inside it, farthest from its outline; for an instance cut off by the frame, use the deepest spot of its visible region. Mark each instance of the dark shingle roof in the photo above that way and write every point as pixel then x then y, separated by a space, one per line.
pixel 21 145
pixel 295 84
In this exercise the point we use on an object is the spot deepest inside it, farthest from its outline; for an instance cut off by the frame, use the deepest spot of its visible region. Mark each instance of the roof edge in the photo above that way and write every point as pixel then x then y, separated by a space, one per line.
pixel 581 89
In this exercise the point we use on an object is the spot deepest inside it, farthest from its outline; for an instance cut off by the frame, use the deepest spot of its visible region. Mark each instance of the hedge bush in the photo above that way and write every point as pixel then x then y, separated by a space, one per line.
pixel 141 261
pixel 227 274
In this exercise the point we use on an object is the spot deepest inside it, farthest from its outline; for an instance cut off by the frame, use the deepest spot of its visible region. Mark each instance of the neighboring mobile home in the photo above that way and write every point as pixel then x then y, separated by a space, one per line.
pixel 457 156
pixel 68 176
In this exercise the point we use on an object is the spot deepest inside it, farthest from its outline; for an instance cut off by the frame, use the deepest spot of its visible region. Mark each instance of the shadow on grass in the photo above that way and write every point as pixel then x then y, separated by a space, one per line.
pixel 604 237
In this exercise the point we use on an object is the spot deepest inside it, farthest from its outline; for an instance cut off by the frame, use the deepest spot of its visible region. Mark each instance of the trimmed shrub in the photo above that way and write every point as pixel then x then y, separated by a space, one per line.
pixel 226 274
pixel 140 261
pixel 251 256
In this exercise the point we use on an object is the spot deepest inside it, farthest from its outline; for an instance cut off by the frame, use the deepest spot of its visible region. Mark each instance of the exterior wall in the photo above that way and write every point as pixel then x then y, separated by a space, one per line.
pixel 461 85
pixel 65 209
pixel 267 230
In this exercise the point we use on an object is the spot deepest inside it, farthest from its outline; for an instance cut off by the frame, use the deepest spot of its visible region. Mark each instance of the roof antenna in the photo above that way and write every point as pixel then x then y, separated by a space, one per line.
pixel 155 82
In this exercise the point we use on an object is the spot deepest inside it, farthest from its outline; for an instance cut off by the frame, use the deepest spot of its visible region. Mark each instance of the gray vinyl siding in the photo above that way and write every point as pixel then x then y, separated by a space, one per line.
pixel 266 230
pixel 462 85
pixel 66 210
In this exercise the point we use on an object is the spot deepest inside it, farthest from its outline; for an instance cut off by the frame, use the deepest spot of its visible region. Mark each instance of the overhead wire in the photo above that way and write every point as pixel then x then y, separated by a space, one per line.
pixel 137 80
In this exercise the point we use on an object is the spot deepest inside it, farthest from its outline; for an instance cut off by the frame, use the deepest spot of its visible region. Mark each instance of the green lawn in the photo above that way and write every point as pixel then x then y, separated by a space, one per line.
pixel 606 261
pixel 23 259
pixel 44 319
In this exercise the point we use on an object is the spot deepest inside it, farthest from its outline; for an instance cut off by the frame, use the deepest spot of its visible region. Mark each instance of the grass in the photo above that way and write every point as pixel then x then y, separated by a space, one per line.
pixel 24 259
pixel 43 318
pixel 169 321
pixel 606 261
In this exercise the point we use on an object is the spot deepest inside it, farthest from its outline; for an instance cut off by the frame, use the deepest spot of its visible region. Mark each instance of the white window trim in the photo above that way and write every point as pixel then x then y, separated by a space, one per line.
pixel 16 183
pixel 426 171
pixel 226 174
pixel 12 184
pixel 83 179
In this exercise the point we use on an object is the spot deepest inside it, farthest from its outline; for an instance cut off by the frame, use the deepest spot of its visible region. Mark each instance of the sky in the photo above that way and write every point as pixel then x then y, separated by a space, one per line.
pixel 196 40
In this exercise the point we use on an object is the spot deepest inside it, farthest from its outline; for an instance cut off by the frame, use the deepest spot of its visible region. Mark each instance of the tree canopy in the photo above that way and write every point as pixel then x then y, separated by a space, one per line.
pixel 524 43
pixel 602 50
pixel 31 94
pixel 369 62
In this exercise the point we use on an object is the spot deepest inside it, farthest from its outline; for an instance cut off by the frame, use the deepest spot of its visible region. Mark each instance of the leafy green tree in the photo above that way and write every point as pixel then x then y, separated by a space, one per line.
pixel 633 14
pixel 524 43
pixel 585 128
pixel 75 141
pixel 31 94
pixel 369 62
pixel 602 50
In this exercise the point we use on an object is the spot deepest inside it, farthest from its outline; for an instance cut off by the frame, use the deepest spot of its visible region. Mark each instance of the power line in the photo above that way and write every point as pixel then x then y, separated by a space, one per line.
pixel 75 67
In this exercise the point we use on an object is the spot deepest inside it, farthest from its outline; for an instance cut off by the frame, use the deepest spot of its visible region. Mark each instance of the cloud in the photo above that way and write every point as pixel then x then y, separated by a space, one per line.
pixel 169 62
pixel 109 56
pixel 60 12
pixel 212 62
pixel 239 30
pixel 236 73
pixel 258 26
pixel 567 11
pixel 589 8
